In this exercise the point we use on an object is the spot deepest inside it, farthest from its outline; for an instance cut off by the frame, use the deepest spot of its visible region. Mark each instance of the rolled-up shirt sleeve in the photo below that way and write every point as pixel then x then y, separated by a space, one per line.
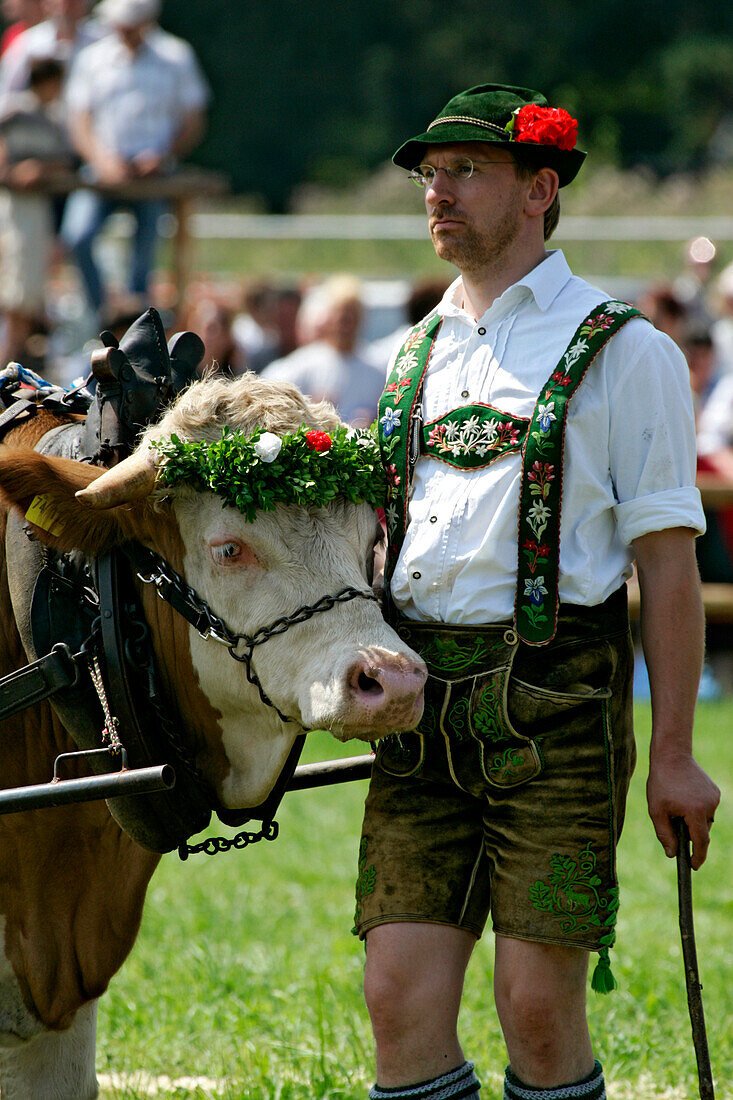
pixel 652 437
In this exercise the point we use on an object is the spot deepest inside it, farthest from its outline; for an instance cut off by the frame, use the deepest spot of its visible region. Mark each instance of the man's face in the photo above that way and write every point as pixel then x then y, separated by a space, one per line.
pixel 474 222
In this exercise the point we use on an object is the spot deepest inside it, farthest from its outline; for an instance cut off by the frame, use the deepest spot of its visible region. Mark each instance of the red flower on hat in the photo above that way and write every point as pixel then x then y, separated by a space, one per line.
pixel 545 126
pixel 318 441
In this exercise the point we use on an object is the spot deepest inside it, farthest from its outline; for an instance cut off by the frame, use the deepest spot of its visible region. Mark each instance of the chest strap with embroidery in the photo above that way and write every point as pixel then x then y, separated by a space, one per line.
pixel 537 596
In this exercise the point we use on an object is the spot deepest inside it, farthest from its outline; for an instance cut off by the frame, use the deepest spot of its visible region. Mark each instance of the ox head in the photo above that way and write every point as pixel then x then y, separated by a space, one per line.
pixel 344 670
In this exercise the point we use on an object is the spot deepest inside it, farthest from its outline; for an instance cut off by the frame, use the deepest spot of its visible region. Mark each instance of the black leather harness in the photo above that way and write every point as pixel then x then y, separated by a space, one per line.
pixel 85 617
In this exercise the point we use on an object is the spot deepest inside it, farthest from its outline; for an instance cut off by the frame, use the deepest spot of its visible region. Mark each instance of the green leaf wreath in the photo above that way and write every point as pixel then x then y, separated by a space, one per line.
pixel 254 473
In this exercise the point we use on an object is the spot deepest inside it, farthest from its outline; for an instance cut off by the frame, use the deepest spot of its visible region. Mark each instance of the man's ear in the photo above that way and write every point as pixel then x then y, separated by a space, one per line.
pixel 43 488
pixel 542 191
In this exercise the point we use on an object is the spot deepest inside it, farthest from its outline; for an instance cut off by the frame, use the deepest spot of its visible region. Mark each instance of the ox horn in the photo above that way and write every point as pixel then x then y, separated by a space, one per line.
pixel 131 479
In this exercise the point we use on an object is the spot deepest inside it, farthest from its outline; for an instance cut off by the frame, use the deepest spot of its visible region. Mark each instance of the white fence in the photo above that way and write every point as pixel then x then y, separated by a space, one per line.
pixel 408 227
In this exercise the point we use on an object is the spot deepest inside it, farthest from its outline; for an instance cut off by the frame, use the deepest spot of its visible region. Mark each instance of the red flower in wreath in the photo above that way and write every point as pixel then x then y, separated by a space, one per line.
pixel 545 126
pixel 318 441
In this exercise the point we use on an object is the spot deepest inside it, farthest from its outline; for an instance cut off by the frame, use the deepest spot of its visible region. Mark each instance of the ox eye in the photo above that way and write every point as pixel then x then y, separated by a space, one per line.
pixel 228 553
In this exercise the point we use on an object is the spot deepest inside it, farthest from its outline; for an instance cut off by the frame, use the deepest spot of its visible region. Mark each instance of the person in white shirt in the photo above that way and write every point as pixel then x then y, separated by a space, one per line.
pixel 538 438
pixel 64 32
pixel 328 366
pixel 136 103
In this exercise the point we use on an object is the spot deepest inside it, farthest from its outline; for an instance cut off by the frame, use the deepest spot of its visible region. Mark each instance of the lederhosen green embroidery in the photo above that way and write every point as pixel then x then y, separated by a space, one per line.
pixel 475 436
pixel 574 896
pixel 466 702
pixel 537 596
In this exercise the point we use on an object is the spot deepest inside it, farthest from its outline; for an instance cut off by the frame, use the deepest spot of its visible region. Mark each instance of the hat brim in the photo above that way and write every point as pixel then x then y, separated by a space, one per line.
pixel 566 162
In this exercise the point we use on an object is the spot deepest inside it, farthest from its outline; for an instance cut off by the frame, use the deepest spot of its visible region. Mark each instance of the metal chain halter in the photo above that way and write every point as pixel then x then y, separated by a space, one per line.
pixel 171 587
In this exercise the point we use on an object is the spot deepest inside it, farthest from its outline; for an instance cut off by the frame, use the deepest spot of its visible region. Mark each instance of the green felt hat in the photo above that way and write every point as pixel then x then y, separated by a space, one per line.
pixel 517 119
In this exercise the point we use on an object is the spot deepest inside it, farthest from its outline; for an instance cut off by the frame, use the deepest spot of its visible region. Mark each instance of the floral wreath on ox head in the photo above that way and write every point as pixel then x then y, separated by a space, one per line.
pixel 255 473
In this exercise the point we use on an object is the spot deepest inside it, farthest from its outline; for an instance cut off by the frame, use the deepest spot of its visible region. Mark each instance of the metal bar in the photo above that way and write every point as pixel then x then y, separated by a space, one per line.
pixel 331 771
pixel 61 792
pixel 689 954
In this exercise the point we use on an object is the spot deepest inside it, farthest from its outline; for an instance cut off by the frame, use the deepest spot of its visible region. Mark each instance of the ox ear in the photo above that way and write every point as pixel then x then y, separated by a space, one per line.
pixel 44 489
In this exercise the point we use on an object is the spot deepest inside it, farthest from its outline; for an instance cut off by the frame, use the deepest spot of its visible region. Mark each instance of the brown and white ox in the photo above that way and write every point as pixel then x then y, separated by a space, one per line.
pixel 72 883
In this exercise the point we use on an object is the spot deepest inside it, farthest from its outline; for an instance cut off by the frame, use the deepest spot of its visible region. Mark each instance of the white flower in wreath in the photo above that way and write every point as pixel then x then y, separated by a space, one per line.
pixel 481 451
pixel 537 517
pixel 617 307
pixel 451 431
pixel 546 415
pixel 268 446
pixel 575 351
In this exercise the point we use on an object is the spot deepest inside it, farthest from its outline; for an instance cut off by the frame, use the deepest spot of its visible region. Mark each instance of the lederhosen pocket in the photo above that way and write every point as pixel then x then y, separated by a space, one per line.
pixel 466 718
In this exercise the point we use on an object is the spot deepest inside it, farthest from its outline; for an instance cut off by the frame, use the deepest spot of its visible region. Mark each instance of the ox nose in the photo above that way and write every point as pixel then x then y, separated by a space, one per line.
pixel 390 682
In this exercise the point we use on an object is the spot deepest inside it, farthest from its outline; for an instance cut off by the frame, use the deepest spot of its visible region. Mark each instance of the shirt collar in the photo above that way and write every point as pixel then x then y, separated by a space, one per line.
pixel 543 282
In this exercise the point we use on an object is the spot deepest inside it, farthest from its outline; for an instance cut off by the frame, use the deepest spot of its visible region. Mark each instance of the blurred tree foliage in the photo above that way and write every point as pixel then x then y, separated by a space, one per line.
pixel 320 90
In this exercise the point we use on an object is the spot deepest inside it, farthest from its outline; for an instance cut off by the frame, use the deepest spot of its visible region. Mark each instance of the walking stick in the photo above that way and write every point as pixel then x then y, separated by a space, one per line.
pixel 689 955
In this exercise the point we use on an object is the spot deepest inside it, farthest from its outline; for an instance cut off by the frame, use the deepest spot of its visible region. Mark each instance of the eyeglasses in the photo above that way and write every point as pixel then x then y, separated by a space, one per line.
pixel 462 170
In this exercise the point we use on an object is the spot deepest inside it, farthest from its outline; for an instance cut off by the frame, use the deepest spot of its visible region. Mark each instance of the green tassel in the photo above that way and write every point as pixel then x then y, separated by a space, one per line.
pixel 603 980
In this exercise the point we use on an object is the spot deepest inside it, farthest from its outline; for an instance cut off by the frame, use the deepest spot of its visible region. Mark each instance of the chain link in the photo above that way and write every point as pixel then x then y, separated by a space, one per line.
pixel 215 844
pixel 210 625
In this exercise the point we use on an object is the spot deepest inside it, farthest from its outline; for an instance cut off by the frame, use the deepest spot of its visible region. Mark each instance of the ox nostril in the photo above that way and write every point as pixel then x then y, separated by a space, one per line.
pixel 368 684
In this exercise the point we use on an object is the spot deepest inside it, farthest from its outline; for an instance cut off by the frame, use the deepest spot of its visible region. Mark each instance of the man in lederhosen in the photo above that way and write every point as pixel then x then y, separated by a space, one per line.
pixel 538 438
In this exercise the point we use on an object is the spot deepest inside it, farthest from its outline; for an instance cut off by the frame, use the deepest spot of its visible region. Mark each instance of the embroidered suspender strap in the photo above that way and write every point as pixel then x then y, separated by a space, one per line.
pixel 398 421
pixel 473 436
pixel 537 599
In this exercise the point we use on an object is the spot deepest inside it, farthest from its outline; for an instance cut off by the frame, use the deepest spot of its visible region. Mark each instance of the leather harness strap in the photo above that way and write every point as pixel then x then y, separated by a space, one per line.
pixel 36 681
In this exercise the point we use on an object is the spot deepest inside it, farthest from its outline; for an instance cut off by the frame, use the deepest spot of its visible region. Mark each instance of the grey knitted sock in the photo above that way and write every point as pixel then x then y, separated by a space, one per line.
pixel 590 1088
pixel 459 1084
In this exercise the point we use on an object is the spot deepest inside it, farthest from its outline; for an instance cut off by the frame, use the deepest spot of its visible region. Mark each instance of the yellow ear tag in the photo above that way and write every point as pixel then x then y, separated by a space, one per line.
pixel 42 513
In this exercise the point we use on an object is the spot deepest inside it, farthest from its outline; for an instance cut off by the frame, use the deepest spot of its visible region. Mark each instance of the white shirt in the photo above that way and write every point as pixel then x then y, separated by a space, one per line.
pixel 346 380
pixel 715 424
pixel 137 100
pixel 629 462
pixel 42 41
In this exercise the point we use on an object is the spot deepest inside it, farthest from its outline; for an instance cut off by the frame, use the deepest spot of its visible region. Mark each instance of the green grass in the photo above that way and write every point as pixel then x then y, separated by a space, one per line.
pixel 245 972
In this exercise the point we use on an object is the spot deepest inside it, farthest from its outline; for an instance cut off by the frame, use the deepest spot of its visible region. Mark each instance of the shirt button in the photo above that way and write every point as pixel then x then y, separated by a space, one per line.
pixel 416 576
pixel 482 331
pixel 464 393
pixel 433 519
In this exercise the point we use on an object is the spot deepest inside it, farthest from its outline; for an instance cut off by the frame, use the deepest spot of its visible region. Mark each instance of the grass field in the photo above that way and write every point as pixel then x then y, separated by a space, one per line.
pixel 245 982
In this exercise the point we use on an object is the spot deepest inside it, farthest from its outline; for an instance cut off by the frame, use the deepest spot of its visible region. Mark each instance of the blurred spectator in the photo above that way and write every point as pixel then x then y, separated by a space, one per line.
pixel 692 285
pixel 212 321
pixel 34 146
pixel 18 16
pixel 722 328
pixel 329 367
pixel 253 325
pixel 665 311
pixel 63 33
pixel 423 297
pixel 700 354
pixel 136 102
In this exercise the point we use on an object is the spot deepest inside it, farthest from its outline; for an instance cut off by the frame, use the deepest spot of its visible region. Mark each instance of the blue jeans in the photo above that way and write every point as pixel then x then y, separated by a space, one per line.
pixel 85 214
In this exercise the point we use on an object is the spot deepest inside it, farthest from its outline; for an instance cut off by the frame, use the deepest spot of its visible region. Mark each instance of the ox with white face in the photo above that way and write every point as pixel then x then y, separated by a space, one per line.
pixel 344 670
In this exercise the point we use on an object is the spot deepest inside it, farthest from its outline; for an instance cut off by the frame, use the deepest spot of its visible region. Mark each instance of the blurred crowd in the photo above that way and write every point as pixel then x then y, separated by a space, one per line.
pixel 97 105
pixel 99 96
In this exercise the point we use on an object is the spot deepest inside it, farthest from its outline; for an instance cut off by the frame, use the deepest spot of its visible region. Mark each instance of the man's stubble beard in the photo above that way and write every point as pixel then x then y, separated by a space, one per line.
pixel 476 251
